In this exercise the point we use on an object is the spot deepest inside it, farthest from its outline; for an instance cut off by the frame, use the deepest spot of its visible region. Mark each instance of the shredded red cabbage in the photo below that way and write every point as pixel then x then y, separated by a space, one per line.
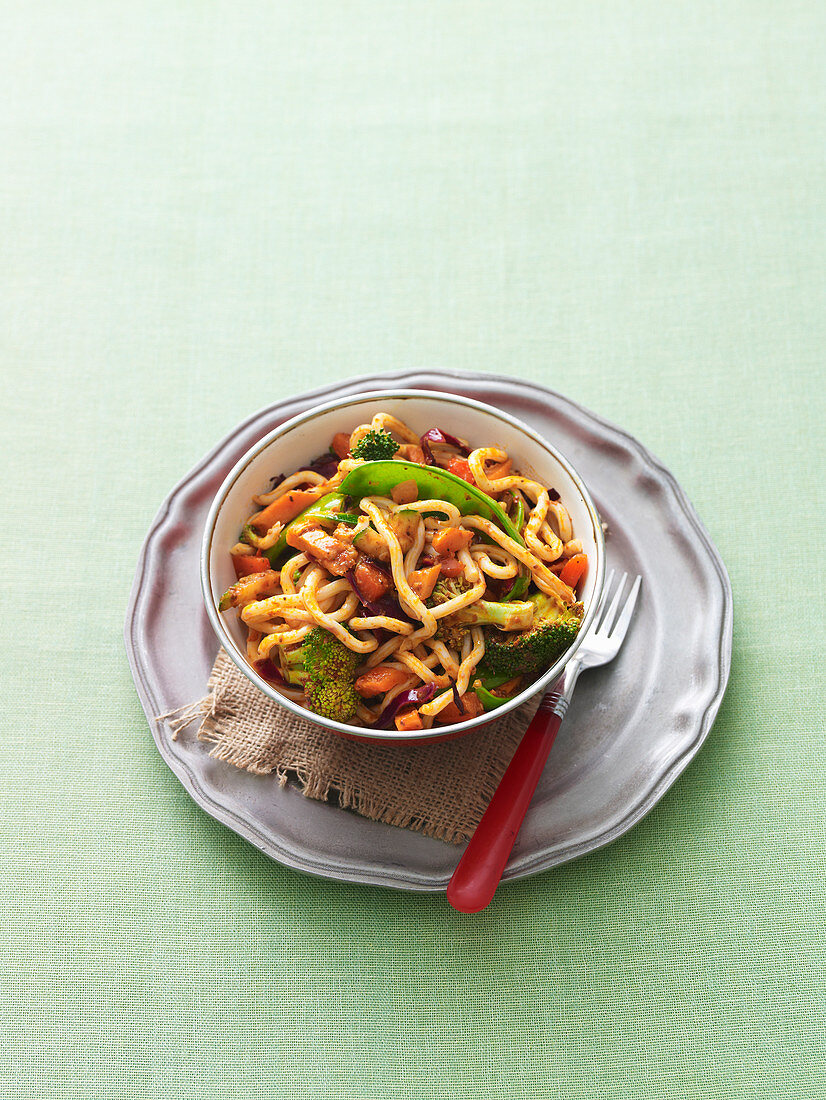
pixel 276 481
pixel 325 464
pixel 269 671
pixel 413 697
pixel 436 435
pixel 426 451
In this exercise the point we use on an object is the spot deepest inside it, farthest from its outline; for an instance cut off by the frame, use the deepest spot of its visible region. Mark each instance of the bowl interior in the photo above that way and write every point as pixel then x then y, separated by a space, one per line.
pixel 298 441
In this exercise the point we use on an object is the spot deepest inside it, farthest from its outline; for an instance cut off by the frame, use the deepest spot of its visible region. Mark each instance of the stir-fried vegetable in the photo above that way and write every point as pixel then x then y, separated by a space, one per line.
pixel 356 575
pixel 413 697
pixel 436 435
pixel 553 630
pixel 376 445
pixel 253 586
pixel 433 483
pixel 249 564
pixel 326 507
pixel 326 669
pixel 506 616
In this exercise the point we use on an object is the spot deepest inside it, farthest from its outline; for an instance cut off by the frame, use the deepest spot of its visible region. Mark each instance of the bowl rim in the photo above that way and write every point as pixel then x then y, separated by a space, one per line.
pixel 392 736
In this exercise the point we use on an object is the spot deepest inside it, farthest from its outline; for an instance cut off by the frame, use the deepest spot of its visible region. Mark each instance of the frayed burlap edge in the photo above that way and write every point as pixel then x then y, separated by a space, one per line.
pixel 440 790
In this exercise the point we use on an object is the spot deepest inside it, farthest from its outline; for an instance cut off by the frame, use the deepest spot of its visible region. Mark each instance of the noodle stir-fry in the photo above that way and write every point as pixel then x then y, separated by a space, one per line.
pixel 405 580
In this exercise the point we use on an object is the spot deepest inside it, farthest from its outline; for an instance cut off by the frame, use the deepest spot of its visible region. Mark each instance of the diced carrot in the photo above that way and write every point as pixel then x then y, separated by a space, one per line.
pixel 409 720
pixel 405 492
pixel 574 570
pixel 285 508
pixel 341 444
pixel 423 581
pixel 380 679
pixel 247 564
pixel 371 581
pixel 451 713
pixel 461 468
pixel 451 539
pixel 451 567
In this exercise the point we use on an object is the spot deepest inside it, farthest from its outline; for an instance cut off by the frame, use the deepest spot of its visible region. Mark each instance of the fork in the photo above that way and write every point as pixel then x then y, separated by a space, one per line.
pixel 479 871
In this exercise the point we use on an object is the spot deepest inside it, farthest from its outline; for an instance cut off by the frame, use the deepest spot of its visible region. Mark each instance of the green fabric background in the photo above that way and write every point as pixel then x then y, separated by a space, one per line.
pixel 208 205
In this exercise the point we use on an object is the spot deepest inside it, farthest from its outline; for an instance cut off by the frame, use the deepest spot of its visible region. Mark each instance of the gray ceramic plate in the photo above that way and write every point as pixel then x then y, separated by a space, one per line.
pixel 631 729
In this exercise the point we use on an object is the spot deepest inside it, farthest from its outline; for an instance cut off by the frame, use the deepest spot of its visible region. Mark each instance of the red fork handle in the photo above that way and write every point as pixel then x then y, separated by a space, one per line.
pixel 478 872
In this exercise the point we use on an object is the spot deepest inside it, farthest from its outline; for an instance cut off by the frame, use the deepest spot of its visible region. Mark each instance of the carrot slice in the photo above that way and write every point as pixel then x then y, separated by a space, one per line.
pixel 285 508
pixel 247 564
pixel 574 570
pixel 380 679
pixel 461 468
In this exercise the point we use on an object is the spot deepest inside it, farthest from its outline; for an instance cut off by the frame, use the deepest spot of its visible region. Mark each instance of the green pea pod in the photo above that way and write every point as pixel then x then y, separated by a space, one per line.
pixel 484 685
pixel 380 478
pixel 326 507
pixel 488 700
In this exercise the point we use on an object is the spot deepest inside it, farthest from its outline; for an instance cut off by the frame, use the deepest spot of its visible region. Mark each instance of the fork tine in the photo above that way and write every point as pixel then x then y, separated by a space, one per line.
pixel 605 625
pixel 621 625
pixel 609 580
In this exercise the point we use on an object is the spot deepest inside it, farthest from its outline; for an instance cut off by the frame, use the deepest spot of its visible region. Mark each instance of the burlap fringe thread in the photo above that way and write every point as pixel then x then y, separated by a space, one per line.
pixel 440 790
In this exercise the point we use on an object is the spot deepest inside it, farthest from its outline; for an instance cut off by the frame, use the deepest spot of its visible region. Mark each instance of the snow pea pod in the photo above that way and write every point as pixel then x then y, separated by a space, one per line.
pixel 485 685
pixel 488 700
pixel 380 478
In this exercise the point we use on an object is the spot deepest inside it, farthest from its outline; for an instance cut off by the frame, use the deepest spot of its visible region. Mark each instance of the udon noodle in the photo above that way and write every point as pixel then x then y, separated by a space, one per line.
pixel 400 578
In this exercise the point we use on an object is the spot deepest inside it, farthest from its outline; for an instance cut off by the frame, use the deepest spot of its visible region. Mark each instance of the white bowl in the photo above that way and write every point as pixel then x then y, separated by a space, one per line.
pixel 299 440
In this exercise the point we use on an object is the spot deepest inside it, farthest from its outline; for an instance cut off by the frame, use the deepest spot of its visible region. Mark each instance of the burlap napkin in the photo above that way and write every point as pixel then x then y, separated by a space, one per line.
pixel 440 790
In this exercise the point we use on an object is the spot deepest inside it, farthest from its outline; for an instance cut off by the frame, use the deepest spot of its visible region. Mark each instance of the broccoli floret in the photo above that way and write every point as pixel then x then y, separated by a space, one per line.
pixel 446 588
pixel 553 631
pixel 326 669
pixel 336 699
pixel 505 616
pixel 376 446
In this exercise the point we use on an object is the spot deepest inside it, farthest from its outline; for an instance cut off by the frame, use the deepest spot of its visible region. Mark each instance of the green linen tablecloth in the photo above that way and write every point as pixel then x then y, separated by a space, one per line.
pixel 206 206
